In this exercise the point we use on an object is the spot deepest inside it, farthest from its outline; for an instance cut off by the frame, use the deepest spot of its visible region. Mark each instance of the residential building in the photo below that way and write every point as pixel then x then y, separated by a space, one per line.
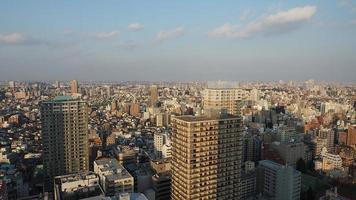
pixel 64 138
pixel 206 157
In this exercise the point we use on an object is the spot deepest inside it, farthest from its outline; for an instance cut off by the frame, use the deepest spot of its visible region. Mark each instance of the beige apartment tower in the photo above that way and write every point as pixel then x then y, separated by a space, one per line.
pixel 64 138
pixel 225 99
pixel 74 89
pixel 206 157
pixel 154 95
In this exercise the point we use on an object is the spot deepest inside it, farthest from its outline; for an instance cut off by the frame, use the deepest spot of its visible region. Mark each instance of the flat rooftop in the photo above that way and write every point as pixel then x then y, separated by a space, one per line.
pixel 75 177
pixel 62 98
pixel 59 99
pixel 191 118
pixel 112 169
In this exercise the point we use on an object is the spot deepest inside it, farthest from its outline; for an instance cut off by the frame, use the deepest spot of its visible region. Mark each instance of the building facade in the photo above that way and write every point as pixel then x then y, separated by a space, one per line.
pixel 64 138
pixel 114 178
pixel 223 99
pixel 74 89
pixel 278 182
pixel 206 157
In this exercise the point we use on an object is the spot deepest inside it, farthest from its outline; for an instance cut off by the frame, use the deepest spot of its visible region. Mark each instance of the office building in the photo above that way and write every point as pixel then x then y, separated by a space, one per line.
pixel 64 138
pixel 248 185
pixel 114 178
pixel 291 152
pixel 252 148
pixel 161 184
pixel 278 182
pixel 206 157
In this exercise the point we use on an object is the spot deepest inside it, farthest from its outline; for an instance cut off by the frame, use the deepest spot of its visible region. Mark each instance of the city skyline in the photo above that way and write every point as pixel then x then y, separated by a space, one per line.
pixel 183 41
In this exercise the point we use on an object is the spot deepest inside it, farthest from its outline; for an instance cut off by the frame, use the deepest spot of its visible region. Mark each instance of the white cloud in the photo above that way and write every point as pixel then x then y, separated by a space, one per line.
pixel 106 35
pixel 226 30
pixel 135 27
pixel 282 21
pixel 12 38
pixel 169 34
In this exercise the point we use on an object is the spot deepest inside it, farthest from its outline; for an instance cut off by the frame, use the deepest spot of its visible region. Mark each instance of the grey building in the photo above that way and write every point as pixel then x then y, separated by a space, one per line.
pixel 278 182
pixel 64 137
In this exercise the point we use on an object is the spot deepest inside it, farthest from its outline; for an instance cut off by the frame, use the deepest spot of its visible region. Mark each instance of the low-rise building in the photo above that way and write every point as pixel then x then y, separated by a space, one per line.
pixel 114 178
pixel 77 186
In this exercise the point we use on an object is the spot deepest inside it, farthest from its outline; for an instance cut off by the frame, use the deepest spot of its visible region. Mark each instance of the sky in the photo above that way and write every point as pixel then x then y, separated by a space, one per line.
pixel 185 40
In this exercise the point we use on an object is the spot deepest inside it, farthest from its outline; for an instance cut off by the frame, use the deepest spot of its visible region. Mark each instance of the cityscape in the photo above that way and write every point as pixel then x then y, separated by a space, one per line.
pixel 178 100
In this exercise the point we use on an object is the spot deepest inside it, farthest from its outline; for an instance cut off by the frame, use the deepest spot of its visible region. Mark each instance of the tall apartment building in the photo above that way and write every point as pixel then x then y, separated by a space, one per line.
pixel 206 157
pixel 74 87
pixel 278 182
pixel 64 138
pixel 154 95
pixel 223 99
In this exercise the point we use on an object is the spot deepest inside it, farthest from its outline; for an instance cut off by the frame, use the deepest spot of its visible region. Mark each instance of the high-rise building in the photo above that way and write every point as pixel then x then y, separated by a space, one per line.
pixel 154 95
pixel 331 140
pixel 74 87
pixel 135 109
pixel 64 138
pixel 252 148
pixel 226 99
pixel 278 182
pixel 206 157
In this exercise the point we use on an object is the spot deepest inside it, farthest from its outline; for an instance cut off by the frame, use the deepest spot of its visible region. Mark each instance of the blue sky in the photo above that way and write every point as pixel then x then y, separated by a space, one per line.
pixel 178 40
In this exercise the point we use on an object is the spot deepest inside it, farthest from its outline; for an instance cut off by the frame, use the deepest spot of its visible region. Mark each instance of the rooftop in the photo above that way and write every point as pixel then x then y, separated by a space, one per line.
pixel 191 118
pixel 112 169
pixel 62 98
